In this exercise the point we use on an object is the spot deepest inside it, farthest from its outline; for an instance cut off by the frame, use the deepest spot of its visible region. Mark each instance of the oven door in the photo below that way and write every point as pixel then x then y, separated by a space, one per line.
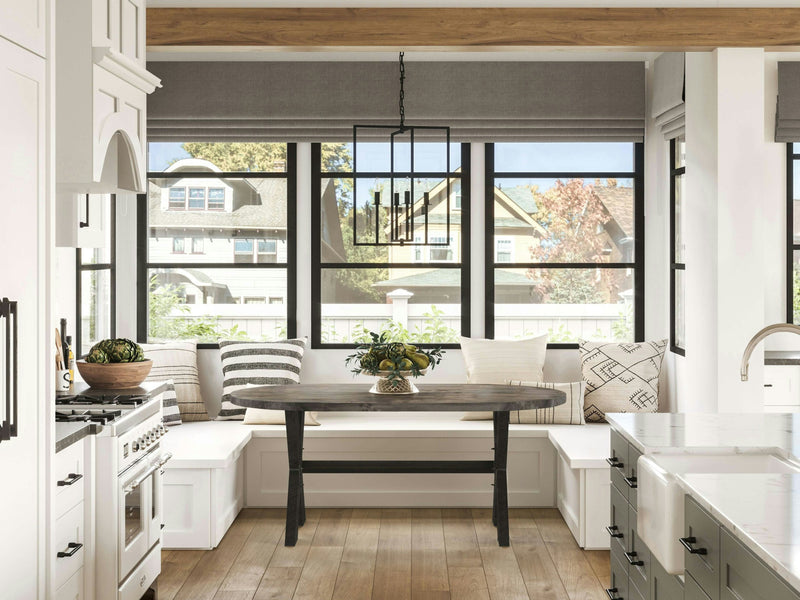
pixel 156 512
pixel 134 497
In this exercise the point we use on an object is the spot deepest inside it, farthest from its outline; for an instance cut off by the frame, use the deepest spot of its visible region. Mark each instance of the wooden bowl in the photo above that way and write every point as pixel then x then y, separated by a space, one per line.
pixel 114 376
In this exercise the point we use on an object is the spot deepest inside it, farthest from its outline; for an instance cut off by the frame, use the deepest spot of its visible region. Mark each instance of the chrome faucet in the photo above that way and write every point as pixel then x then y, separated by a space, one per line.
pixel 766 332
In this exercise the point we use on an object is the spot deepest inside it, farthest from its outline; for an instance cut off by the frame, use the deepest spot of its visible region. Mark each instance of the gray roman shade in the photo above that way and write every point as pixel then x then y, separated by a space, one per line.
pixel 669 108
pixel 321 101
pixel 787 121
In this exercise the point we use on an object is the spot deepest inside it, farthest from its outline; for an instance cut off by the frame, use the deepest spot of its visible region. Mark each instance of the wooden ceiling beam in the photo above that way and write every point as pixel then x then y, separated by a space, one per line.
pixel 407 28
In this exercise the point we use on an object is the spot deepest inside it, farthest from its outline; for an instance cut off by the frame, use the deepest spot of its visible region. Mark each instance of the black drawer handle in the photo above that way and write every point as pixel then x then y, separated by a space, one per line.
pixel 73 547
pixel 613 531
pixel 614 462
pixel 612 593
pixel 631 556
pixel 631 481
pixel 687 543
pixel 71 478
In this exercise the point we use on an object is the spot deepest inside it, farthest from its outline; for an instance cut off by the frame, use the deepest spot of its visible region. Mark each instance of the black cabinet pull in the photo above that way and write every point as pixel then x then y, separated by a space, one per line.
pixel 613 531
pixel 72 548
pixel 614 462
pixel 9 353
pixel 631 481
pixel 687 542
pixel 612 593
pixel 71 479
pixel 85 223
pixel 162 526
pixel 631 556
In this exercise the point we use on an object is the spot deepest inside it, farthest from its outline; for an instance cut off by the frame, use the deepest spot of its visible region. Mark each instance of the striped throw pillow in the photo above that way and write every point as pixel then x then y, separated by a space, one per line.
pixel 256 363
pixel 169 406
pixel 178 361
pixel 569 413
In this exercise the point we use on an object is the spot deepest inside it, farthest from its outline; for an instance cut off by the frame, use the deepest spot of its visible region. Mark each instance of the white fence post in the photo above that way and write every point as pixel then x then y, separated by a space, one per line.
pixel 399 300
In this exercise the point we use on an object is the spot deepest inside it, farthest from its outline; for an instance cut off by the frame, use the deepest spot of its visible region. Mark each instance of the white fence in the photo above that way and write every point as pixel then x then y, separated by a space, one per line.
pixel 343 322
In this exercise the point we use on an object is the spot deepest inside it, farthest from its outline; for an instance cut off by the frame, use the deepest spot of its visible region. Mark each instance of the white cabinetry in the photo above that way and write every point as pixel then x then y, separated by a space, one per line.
pixel 24 23
pixel 101 96
pixel 25 205
pixel 83 220
pixel 781 388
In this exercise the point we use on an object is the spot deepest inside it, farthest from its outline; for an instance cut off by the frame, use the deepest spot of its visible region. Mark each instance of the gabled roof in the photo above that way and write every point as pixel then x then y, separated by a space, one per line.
pixel 448 278
pixel 618 201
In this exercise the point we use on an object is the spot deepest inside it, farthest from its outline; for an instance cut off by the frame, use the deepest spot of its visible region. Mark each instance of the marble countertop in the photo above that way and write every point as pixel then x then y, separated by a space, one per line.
pixel 664 433
pixel 69 433
pixel 778 357
pixel 760 510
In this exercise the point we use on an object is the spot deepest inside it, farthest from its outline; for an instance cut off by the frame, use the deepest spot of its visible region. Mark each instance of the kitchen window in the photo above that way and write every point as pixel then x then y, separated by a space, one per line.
pixel 677 271
pixel 419 292
pixel 95 286
pixel 564 225
pixel 241 221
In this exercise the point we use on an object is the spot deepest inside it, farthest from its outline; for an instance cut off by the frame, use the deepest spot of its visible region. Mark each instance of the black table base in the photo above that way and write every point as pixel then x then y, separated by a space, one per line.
pixel 295 503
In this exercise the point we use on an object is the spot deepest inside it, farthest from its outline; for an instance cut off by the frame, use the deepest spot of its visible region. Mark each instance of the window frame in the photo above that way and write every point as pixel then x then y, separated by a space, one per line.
pixel 290 266
pixel 490 264
pixel 317 266
pixel 110 266
pixel 674 267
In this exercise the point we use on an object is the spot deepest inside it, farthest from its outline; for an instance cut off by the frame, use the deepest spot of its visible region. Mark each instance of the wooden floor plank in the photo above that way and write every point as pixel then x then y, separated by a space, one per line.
pixel 389 554
pixel 211 569
pixel 601 565
pixel 286 565
pixel 332 527
pixel 460 541
pixel 357 567
pixel 248 569
pixel 176 566
pixel 503 576
pixel 318 577
pixel 574 569
pixel 392 579
pixel 428 556
pixel 468 583
pixel 535 563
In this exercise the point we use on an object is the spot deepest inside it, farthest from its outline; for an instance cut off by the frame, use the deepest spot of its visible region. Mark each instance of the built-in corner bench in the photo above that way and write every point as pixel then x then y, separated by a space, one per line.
pixel 218 467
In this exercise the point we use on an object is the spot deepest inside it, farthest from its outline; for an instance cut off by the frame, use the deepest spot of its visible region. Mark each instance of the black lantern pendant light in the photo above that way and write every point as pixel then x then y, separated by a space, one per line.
pixel 402 219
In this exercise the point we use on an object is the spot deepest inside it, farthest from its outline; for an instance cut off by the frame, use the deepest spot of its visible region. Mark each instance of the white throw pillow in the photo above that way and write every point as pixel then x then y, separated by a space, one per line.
pixel 569 413
pixel 620 377
pixel 498 361
pixel 256 363
pixel 178 361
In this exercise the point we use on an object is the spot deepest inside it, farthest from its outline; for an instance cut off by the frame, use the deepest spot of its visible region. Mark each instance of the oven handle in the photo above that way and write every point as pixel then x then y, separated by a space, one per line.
pixel 155 466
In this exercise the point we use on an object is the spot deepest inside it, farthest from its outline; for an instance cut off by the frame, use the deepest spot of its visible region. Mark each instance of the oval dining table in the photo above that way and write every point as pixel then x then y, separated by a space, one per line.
pixel 295 400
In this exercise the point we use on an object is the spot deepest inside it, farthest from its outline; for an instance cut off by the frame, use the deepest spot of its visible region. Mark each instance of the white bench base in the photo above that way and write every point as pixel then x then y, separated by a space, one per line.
pixel 219 467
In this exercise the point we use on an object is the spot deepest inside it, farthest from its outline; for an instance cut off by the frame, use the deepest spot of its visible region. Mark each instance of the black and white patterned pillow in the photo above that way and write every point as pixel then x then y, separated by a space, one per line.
pixel 169 405
pixel 256 363
pixel 620 377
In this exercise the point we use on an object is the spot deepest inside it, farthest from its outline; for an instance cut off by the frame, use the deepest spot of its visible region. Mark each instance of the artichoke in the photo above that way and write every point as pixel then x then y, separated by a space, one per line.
pixel 97 355
pixel 369 362
pixel 396 351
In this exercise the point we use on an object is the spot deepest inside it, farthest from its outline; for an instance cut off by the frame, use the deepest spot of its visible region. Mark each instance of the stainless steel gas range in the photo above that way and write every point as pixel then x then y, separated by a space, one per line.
pixel 128 487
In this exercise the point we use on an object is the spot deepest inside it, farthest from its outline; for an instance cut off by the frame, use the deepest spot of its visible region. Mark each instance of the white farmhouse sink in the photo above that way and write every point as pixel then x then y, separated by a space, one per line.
pixel 660 498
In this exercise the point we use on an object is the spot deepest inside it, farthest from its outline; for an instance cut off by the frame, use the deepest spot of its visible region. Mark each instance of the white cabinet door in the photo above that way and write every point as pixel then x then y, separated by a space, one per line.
pixel 24 22
pixel 23 206
pixel 82 221
pixel 781 388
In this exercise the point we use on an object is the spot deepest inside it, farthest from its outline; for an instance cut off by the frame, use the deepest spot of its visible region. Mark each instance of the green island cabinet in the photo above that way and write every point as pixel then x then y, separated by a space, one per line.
pixel 718 566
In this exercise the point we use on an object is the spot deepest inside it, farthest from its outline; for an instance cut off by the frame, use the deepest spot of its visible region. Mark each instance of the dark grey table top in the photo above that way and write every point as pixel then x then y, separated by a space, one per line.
pixel 431 397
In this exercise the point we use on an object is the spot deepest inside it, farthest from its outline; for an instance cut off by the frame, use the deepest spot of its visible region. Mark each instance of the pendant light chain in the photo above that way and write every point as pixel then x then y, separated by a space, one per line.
pixel 402 92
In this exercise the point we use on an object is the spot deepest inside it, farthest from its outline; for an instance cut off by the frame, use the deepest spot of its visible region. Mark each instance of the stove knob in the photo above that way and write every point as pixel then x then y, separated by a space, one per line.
pixel 135 446
pixel 162 428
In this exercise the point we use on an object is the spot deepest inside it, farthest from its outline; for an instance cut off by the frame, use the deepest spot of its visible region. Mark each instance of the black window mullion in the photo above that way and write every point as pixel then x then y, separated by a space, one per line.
pixel 144 266
pixel 317 266
pixel 675 173
pixel 491 266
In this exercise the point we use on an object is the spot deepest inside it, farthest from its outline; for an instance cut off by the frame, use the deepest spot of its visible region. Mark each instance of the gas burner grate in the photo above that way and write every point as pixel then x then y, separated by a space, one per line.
pixel 102 400
pixel 71 416
pixel 102 416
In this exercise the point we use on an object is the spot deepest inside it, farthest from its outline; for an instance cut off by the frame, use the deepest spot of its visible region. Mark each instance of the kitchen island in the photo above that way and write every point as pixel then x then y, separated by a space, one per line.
pixel 742 535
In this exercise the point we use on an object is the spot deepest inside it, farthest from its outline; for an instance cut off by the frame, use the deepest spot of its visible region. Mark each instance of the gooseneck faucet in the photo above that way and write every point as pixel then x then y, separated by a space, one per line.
pixel 766 332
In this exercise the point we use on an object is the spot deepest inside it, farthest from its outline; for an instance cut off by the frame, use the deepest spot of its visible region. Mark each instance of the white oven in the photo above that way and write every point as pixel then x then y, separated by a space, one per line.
pixel 140 515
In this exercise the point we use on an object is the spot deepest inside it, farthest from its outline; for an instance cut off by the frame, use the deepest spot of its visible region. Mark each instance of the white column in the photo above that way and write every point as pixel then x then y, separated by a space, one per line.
pixel 725 175
pixel 400 298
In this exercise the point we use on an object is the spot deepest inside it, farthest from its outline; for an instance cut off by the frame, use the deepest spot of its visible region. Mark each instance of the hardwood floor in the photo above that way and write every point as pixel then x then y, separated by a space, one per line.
pixel 389 554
